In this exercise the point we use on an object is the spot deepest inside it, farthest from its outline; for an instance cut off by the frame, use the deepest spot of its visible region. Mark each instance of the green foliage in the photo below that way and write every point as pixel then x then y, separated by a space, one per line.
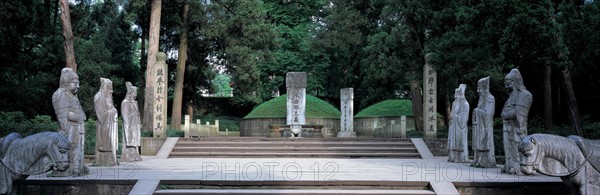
pixel 221 85
pixel 415 134
pixel 17 122
pixel 387 108
pixel 277 108
pixel 175 133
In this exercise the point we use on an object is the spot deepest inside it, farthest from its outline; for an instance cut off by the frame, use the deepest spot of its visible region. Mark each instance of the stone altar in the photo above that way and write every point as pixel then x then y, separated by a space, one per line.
pixel 71 120
pixel 106 126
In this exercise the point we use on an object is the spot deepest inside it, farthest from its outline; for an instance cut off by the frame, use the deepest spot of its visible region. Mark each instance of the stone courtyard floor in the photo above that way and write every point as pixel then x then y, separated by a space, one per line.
pixel 433 169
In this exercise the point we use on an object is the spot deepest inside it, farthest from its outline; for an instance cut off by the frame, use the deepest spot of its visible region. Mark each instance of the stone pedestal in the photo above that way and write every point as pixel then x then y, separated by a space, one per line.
pixel 130 154
pixel 105 159
pixel 346 134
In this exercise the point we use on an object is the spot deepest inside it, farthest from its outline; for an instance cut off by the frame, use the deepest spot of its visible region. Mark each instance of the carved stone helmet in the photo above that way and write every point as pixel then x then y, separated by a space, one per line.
pixel 515 76
pixel 461 90
pixel 131 90
pixel 66 76
pixel 484 84
pixel 105 85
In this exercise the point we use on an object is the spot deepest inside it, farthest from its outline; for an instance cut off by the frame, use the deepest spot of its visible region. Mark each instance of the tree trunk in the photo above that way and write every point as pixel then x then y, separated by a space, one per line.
pixel 572 103
pixel 142 82
pixel 183 44
pixel 548 98
pixel 417 104
pixel 190 110
pixel 65 17
pixel 153 38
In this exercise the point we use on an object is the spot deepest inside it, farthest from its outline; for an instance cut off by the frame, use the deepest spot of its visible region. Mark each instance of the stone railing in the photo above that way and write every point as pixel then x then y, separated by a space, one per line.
pixel 199 130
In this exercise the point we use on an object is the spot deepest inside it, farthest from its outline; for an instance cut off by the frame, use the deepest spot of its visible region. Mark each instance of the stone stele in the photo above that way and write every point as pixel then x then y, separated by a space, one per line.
pixel 347 107
pixel 296 101
pixel 106 126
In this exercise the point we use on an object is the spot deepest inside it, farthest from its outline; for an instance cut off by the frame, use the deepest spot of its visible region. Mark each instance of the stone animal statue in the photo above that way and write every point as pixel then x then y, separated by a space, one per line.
pixel 32 155
pixel 574 159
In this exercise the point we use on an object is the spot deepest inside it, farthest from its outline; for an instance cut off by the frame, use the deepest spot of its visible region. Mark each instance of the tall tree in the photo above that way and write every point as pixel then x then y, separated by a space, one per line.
pixel 182 57
pixel 65 17
pixel 153 39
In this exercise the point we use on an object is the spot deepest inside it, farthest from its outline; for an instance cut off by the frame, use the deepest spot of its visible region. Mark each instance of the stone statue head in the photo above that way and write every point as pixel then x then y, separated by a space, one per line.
pixel 456 94
pixel 514 80
pixel 483 85
pixel 69 80
pixel 106 85
pixel 461 91
pixel 131 91
pixel 161 57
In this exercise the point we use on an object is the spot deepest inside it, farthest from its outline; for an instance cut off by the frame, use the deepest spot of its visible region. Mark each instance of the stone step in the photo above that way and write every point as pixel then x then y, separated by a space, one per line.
pixel 295 149
pixel 294 155
pixel 294 144
pixel 298 192
pixel 359 139
pixel 294 187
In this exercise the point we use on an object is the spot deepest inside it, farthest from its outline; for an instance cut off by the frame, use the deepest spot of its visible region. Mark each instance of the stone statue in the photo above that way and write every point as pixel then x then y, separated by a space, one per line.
pixel 574 159
pixel 457 132
pixel 71 121
pixel 131 125
pixel 514 116
pixel 106 126
pixel 483 126
pixel 32 155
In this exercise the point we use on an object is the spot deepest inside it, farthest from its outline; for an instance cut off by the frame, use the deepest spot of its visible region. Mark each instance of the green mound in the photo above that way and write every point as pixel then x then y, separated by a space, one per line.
pixel 387 108
pixel 277 108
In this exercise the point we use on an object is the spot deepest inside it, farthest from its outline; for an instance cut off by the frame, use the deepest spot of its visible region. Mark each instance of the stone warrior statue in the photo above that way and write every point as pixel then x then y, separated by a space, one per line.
pixel 106 126
pixel 457 132
pixel 514 116
pixel 483 126
pixel 71 121
pixel 131 125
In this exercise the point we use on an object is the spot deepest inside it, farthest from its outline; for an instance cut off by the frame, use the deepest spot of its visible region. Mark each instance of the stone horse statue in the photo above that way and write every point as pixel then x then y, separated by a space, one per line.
pixel 32 155
pixel 574 159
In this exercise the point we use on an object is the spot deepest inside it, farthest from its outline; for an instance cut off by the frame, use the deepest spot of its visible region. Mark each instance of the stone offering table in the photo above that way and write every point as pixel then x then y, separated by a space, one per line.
pixel 309 131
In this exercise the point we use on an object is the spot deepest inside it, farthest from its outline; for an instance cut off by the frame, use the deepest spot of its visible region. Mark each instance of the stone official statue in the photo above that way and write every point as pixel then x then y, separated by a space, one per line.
pixel 483 126
pixel 514 116
pixel 131 125
pixel 71 120
pixel 457 138
pixel 106 126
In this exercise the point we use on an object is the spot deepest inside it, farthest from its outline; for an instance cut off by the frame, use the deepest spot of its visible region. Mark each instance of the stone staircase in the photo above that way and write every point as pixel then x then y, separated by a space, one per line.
pixel 294 187
pixel 258 147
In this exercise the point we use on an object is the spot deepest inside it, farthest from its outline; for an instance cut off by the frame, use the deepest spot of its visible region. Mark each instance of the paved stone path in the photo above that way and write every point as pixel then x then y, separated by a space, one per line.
pixel 436 170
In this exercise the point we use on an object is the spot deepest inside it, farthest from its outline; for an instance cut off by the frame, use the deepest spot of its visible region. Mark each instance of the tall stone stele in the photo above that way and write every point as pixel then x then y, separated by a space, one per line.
pixel 159 118
pixel 71 120
pixel 429 98
pixel 457 129
pixel 131 125
pixel 296 101
pixel 347 107
pixel 106 126
pixel 514 120
pixel 483 126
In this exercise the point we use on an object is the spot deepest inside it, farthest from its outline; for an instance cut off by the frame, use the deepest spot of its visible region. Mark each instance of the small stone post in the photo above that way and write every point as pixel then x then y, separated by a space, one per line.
pixel 347 118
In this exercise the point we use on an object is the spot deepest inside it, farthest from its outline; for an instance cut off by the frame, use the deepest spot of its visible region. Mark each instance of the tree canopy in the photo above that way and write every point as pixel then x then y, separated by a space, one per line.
pixel 376 47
